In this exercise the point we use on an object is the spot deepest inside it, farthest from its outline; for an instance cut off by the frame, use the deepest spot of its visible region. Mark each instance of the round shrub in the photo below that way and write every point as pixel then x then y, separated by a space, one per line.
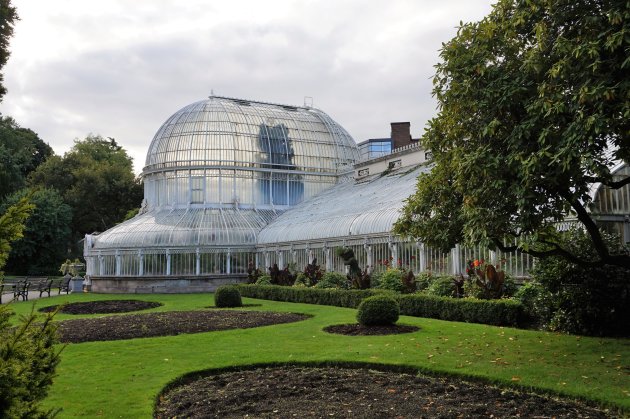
pixel 378 310
pixel 333 280
pixel 227 296
pixel 442 286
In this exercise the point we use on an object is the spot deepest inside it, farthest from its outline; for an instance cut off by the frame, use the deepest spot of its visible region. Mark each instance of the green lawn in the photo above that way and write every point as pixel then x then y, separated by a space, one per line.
pixel 122 378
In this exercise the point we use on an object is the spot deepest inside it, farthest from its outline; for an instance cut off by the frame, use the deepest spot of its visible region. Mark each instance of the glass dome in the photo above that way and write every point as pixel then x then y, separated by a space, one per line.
pixel 233 152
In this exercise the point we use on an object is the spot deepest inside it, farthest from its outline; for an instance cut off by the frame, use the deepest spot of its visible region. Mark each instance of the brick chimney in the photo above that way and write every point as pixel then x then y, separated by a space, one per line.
pixel 401 134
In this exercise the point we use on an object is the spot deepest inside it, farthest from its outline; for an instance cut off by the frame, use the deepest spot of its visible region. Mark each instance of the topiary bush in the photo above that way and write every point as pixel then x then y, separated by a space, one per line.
pixel 333 280
pixel 442 286
pixel 378 310
pixel 228 296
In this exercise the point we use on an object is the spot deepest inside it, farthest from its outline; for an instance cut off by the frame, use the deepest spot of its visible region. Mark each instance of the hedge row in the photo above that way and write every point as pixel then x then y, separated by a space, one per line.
pixel 320 296
pixel 494 312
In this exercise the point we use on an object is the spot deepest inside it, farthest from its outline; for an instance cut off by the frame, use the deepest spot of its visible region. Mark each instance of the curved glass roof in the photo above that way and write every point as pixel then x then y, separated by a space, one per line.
pixel 192 227
pixel 228 132
pixel 347 210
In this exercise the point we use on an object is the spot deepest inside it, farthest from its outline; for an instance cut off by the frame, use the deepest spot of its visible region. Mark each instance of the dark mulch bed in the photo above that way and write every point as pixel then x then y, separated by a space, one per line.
pixel 360 330
pixel 102 307
pixel 326 392
pixel 168 323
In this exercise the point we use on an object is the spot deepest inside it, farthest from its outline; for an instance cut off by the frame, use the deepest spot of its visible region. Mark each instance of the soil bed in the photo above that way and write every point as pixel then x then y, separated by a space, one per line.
pixel 102 307
pixel 168 323
pixel 360 330
pixel 326 392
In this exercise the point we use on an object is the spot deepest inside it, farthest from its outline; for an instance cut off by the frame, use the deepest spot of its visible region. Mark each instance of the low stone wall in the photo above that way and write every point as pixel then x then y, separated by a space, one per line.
pixel 162 285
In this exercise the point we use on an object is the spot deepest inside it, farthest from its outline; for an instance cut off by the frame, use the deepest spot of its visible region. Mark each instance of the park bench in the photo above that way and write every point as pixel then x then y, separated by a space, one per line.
pixel 41 284
pixel 20 289
pixel 64 285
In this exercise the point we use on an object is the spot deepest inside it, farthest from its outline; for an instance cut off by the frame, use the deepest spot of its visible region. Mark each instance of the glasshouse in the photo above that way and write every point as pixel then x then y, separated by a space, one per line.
pixel 232 184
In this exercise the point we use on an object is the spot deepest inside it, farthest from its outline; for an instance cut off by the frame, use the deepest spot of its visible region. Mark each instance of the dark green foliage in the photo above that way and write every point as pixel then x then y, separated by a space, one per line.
pixel 532 296
pixel 12 224
pixel 533 109
pixel 96 180
pixel 263 279
pixel 227 296
pixel 21 152
pixel 378 310
pixel 27 364
pixel 8 16
pixel 495 312
pixel 441 286
pixel 583 300
pixel 44 245
pixel 333 280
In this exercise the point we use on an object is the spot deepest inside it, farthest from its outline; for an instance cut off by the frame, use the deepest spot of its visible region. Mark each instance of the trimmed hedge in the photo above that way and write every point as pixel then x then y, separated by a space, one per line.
pixel 493 312
pixel 320 296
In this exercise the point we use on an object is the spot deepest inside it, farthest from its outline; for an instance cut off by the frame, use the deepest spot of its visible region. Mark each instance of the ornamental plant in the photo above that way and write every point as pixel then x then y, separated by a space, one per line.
pixel 487 277
pixel 333 280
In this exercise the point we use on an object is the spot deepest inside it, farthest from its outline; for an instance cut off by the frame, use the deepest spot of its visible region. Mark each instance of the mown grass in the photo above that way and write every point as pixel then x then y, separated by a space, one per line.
pixel 122 378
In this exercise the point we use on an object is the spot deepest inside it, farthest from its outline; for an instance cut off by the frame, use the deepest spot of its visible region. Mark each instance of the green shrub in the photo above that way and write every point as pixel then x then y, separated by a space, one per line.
pixel 531 296
pixel 27 364
pixel 333 280
pixel 378 310
pixel 423 280
pixel 264 279
pixel 509 286
pixel 584 300
pixel 227 296
pixel 301 280
pixel 474 290
pixel 442 286
pixel 390 280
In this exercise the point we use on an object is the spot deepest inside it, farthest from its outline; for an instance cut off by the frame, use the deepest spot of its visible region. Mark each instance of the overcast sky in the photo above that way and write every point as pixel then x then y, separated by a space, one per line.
pixel 121 68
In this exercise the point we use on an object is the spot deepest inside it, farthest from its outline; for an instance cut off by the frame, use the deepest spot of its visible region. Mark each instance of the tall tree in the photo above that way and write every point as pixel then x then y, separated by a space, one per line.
pixel 44 245
pixel 8 16
pixel 21 151
pixel 12 224
pixel 96 180
pixel 534 106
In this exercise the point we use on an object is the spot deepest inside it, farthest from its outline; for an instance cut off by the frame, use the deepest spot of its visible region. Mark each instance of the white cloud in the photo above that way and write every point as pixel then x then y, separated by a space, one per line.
pixel 120 68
